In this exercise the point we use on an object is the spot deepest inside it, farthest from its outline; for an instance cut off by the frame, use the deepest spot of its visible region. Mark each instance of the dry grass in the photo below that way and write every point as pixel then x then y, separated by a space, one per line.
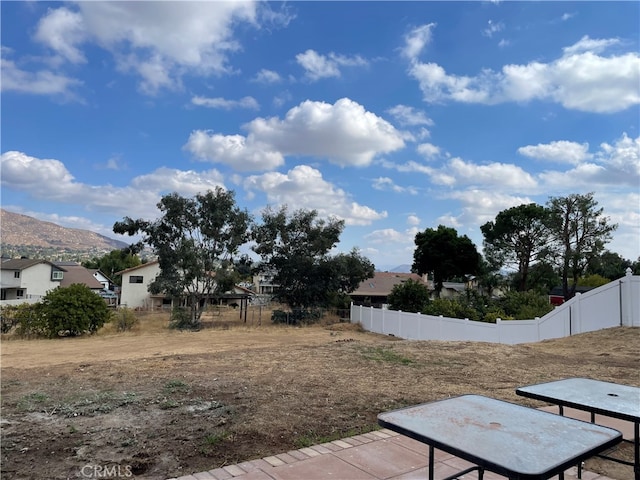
pixel 173 403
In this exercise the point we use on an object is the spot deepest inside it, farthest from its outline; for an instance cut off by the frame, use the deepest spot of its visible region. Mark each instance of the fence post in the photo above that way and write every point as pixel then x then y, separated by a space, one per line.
pixel 626 300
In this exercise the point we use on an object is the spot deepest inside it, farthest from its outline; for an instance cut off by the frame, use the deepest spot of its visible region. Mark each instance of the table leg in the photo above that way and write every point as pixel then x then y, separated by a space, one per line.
pixel 636 466
pixel 431 449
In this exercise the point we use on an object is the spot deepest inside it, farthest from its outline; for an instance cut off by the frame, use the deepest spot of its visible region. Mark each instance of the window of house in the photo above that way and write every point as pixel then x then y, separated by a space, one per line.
pixel 16 274
pixel 20 293
pixel 56 275
pixel 135 279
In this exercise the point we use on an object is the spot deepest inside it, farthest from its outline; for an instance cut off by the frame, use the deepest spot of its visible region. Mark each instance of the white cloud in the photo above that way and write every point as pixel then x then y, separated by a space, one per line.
pixel 49 179
pixel 480 206
pixel 387 184
pixel 587 44
pixel 580 79
pixel 241 153
pixel 304 187
pixel 224 104
pixel 63 30
pixel 319 66
pixel 416 40
pixel 344 133
pixel 616 165
pixel 42 82
pixel 406 115
pixel 428 150
pixel 413 220
pixel 561 151
pixel 492 28
pixel 267 76
pixel 159 41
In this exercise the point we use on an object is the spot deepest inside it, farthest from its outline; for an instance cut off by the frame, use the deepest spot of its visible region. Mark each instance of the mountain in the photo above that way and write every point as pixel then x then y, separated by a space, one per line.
pixel 27 236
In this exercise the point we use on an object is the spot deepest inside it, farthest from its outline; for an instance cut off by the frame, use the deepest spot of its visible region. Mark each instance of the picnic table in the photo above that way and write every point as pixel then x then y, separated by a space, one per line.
pixel 596 397
pixel 518 442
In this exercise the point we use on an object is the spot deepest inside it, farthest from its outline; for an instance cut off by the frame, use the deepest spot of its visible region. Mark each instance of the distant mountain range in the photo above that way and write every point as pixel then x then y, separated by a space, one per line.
pixel 22 235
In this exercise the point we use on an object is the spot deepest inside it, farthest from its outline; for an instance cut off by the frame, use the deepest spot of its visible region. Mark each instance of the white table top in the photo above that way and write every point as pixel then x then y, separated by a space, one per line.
pixel 502 437
pixel 612 399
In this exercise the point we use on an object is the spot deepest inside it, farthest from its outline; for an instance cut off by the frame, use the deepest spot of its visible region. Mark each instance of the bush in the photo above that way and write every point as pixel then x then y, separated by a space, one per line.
pixel 125 319
pixel 296 316
pixel 72 311
pixel 524 305
pixel 409 296
pixel 26 318
pixel 181 319
pixel 449 307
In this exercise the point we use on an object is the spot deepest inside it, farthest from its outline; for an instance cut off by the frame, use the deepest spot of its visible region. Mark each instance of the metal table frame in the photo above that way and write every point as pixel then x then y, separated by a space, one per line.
pixel 518 442
pixel 596 397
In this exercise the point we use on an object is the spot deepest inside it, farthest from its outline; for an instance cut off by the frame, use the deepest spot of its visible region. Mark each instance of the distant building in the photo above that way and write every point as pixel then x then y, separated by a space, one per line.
pixel 374 291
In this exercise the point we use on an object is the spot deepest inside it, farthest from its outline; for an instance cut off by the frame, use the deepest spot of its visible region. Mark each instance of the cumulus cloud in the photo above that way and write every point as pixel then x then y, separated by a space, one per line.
pixel 49 179
pixel 41 82
pixel 479 206
pixel 387 184
pixel 581 79
pixel 319 66
pixel 460 173
pixel 304 187
pixel 413 220
pixel 613 165
pixel 225 104
pixel 158 41
pixel 561 151
pixel 409 116
pixel 241 153
pixel 343 133
pixel 428 150
pixel 416 40
pixel 267 76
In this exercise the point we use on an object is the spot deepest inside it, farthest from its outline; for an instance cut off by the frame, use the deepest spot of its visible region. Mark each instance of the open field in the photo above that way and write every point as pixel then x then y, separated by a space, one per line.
pixel 168 403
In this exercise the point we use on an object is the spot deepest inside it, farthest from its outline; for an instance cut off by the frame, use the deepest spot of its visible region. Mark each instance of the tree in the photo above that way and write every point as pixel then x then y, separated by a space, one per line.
pixel 73 310
pixel 409 296
pixel 609 265
pixel 112 262
pixel 517 238
pixel 445 255
pixel 195 240
pixel 296 248
pixel 579 233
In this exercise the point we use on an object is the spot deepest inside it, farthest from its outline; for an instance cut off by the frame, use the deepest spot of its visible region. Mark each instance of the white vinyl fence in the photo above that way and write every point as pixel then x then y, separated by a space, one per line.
pixel 611 305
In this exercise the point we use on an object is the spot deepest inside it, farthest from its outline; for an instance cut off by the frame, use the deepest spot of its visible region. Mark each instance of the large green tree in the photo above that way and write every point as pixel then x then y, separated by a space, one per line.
pixel 195 240
pixel 296 248
pixel 444 255
pixel 579 232
pixel 609 265
pixel 112 262
pixel 517 238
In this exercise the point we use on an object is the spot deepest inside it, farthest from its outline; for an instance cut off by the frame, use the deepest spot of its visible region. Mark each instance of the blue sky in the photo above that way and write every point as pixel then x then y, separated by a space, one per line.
pixel 394 116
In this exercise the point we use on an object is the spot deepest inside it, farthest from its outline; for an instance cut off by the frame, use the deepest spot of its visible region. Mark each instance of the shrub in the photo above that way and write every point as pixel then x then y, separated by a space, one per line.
pixel 296 316
pixel 409 296
pixel 27 319
pixel 73 310
pixel 181 319
pixel 449 307
pixel 524 305
pixel 125 319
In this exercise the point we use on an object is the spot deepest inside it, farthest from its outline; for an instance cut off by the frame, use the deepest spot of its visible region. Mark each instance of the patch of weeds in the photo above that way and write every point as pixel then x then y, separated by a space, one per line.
pixel 31 402
pixel 130 442
pixel 212 440
pixel 73 428
pixel 381 354
pixel 176 386
pixel 168 404
pixel 95 404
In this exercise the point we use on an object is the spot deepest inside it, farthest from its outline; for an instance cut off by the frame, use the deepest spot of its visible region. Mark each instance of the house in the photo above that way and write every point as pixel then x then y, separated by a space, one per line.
pixel 263 283
pixel 76 273
pixel 134 292
pixel 374 291
pixel 28 280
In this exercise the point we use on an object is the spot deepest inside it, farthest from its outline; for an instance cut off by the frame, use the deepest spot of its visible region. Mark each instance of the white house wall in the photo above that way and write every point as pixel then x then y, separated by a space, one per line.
pixel 36 280
pixel 136 295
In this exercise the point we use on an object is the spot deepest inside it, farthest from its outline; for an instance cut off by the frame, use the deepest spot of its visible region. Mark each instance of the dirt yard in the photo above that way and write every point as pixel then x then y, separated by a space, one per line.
pixel 165 403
